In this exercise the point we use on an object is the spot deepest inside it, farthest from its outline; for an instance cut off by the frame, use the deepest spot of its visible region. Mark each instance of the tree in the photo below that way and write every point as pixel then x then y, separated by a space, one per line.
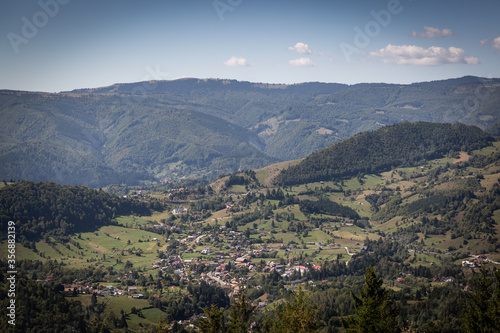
pixel 161 327
pixel 295 316
pixel 373 307
pixel 214 323
pixel 482 313
pixel 123 319
pixel 240 315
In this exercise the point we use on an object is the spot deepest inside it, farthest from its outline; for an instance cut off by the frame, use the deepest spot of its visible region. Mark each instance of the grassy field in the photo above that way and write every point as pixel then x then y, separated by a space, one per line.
pixel 496 217
pixel 435 241
pixel 357 202
pixel 150 317
pixel 237 189
pixel 158 216
pixel 287 237
pixel 266 174
pixel 97 248
pixel 372 181
pixel 489 150
pixel 132 221
pixel 116 303
pixel 389 226
pixel 293 209
pixel 425 260
pixel 346 235
pixel 21 252
pixel 317 236
pixel 191 256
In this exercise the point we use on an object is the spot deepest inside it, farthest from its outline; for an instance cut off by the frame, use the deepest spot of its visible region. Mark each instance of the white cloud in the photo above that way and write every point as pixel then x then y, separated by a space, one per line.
pixel 302 62
pixel 416 55
pixel 301 48
pixel 495 43
pixel 236 62
pixel 431 32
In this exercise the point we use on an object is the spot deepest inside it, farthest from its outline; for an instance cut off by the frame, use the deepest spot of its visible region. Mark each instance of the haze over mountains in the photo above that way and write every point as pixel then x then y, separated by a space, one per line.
pixel 166 130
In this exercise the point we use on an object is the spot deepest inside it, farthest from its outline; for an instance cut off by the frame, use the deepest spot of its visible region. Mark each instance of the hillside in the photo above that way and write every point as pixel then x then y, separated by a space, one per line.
pixel 45 209
pixel 400 145
pixel 165 130
pixel 427 228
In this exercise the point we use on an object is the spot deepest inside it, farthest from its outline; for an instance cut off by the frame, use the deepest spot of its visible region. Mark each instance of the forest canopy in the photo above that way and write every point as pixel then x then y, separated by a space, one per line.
pixel 400 145
pixel 46 207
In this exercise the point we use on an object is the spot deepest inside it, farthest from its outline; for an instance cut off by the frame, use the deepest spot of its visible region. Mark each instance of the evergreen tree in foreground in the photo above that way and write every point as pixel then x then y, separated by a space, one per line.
pixel 483 307
pixel 373 308
pixel 295 316
pixel 240 315
pixel 214 323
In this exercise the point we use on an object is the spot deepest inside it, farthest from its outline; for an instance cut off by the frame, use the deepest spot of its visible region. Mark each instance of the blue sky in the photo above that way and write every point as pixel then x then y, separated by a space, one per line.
pixel 59 45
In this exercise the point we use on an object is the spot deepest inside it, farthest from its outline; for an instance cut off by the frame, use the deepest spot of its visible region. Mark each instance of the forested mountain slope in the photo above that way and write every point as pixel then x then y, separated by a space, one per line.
pixel 149 131
pixel 48 209
pixel 400 145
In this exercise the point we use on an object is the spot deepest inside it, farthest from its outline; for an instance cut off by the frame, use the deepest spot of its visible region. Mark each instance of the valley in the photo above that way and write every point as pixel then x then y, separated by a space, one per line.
pixel 427 228
pixel 234 166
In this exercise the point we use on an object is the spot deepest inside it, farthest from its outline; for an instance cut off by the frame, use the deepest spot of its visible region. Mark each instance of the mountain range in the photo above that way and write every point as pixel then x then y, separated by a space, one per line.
pixel 166 130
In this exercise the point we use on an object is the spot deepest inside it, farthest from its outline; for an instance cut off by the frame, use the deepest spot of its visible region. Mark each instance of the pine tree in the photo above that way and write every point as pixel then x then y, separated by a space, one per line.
pixel 240 316
pixel 214 323
pixel 295 316
pixel 495 302
pixel 482 313
pixel 93 300
pixel 373 308
pixel 123 319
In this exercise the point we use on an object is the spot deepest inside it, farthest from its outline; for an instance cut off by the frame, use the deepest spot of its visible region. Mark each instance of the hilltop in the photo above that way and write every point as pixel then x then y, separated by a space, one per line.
pixel 148 132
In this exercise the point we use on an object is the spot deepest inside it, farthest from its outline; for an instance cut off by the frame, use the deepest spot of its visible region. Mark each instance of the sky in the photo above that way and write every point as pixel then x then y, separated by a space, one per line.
pixel 61 45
